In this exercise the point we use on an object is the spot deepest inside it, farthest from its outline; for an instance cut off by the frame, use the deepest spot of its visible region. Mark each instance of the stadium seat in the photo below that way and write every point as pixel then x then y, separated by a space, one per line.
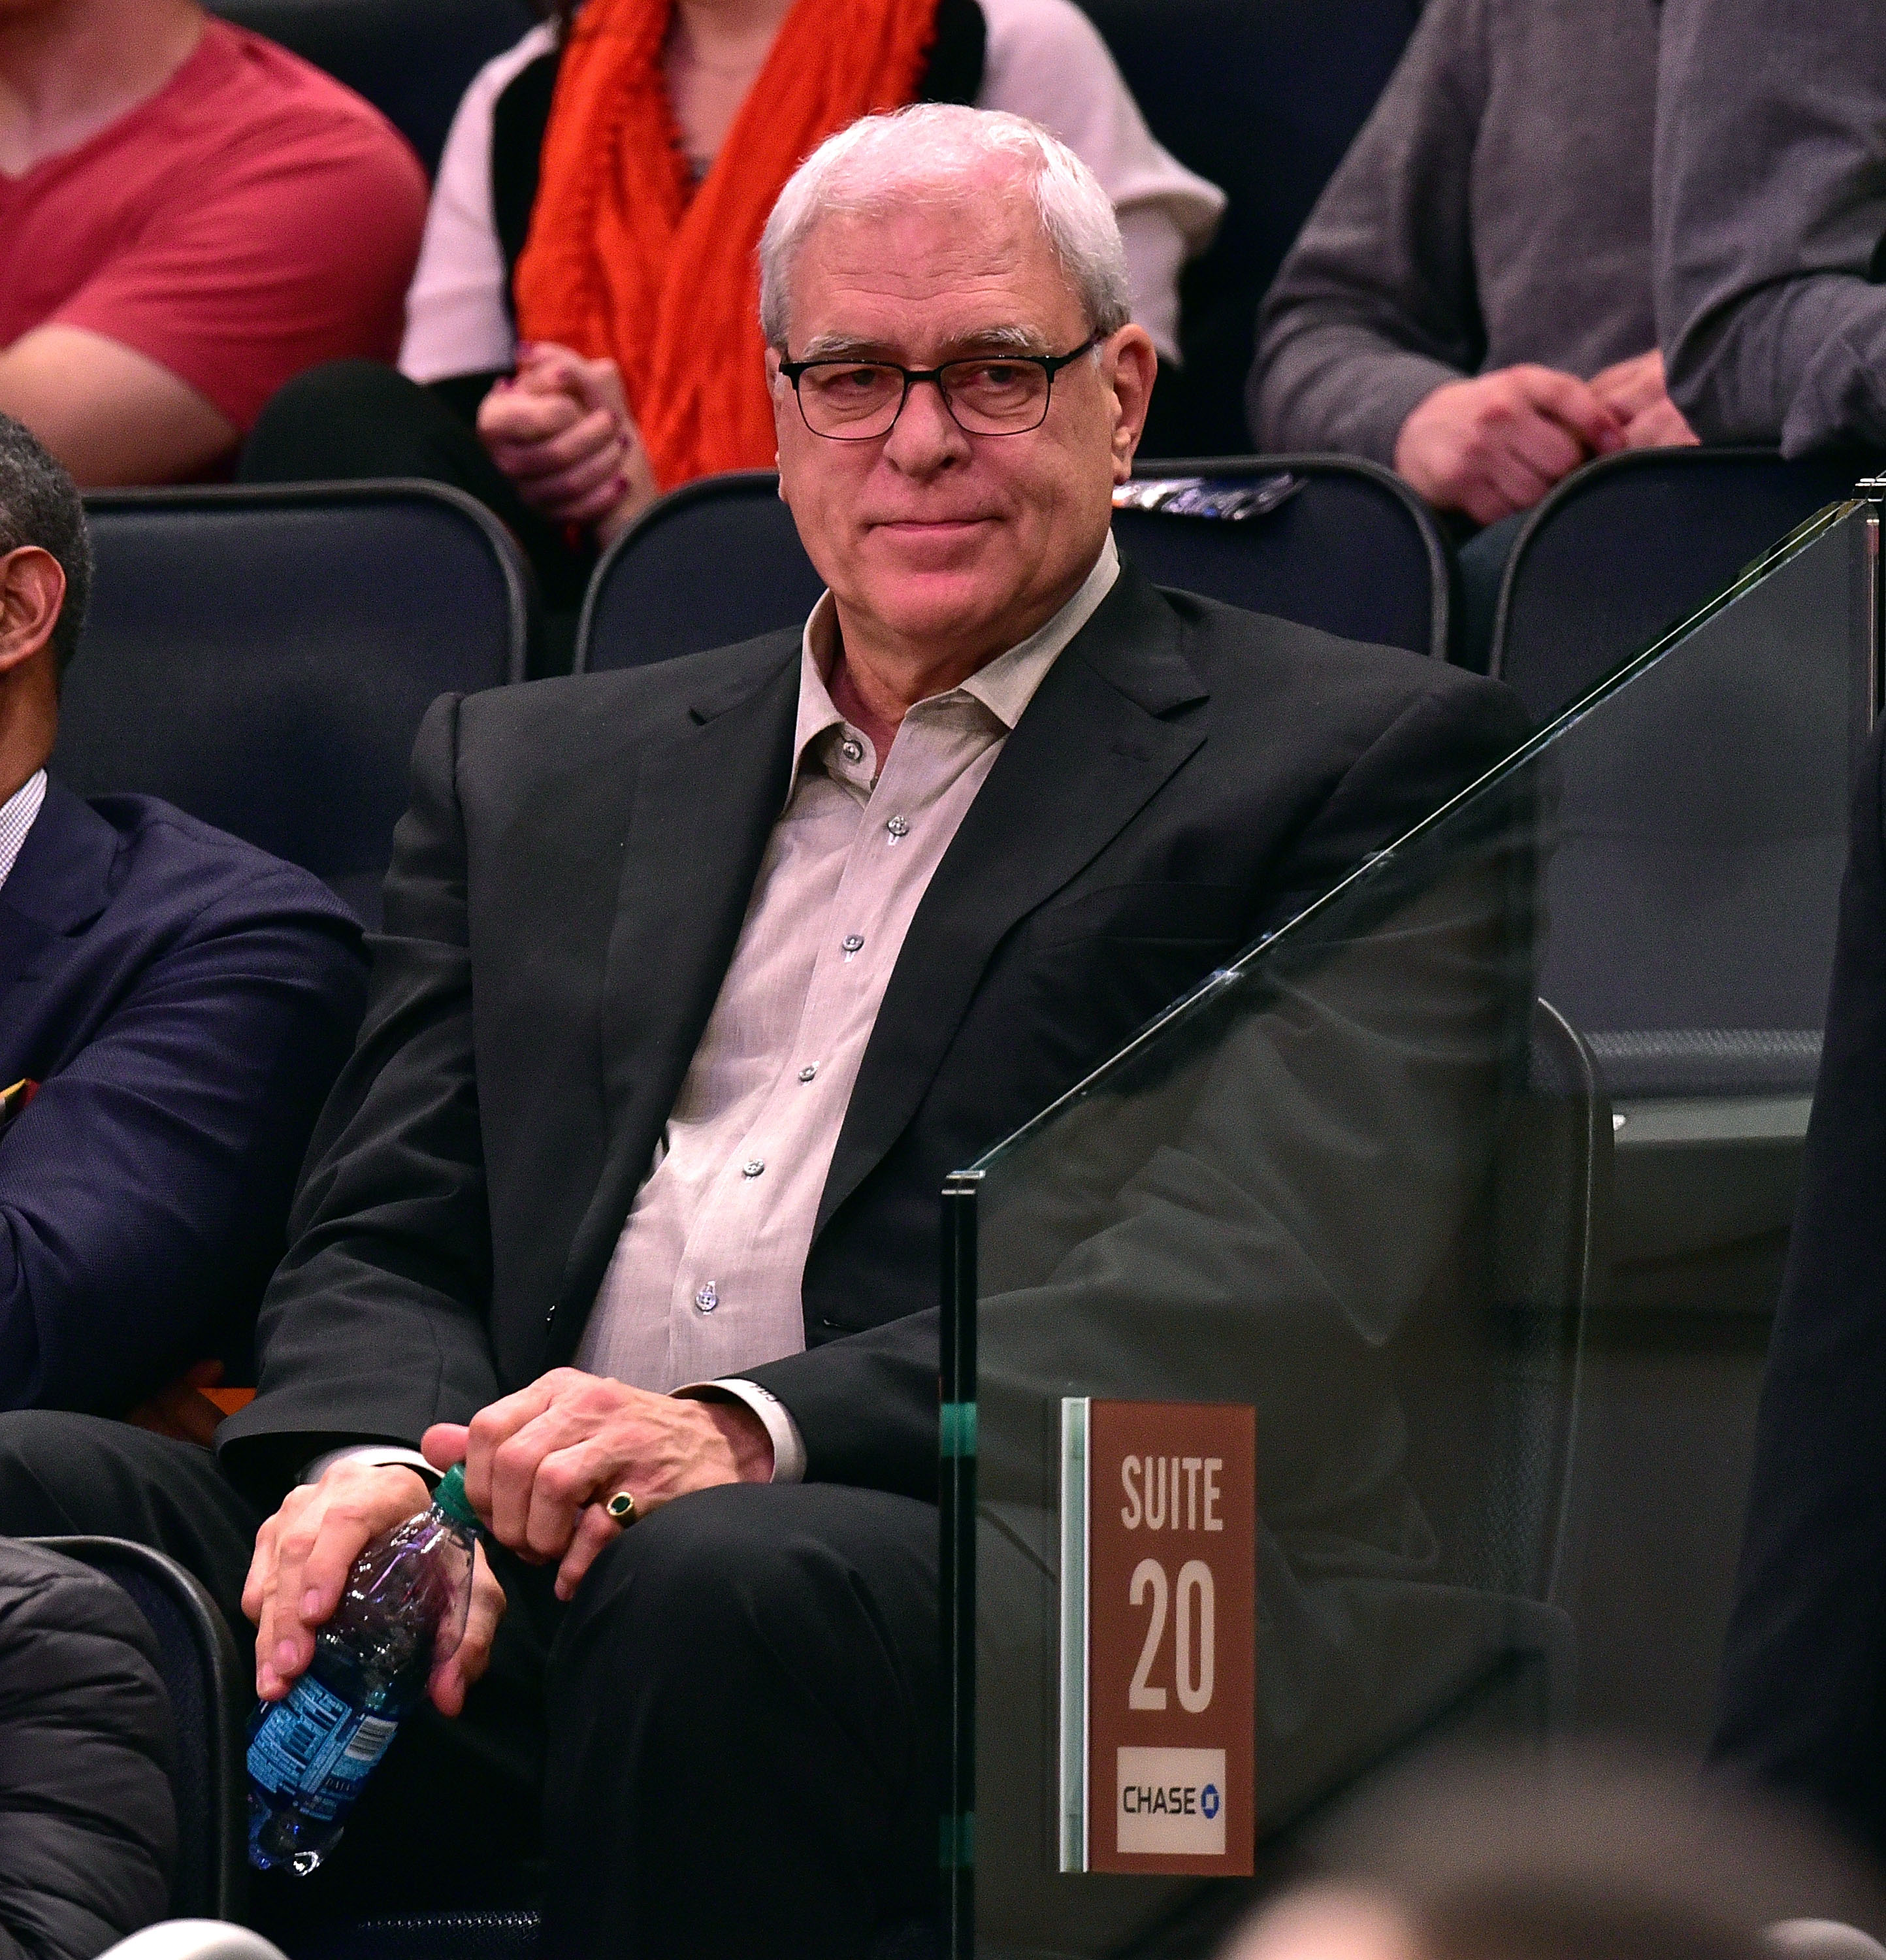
pixel 209 1701
pixel 1262 96
pixel 411 59
pixel 262 657
pixel 712 562
pixel 1355 551
pixel 719 561
pixel 1633 544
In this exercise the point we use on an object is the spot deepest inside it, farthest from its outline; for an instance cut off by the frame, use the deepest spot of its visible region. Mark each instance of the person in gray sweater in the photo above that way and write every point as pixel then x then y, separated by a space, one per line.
pixel 1469 301
pixel 1771 243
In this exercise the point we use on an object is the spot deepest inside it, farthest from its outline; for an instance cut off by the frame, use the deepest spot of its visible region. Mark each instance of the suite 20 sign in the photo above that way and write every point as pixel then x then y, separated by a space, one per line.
pixel 1158 1637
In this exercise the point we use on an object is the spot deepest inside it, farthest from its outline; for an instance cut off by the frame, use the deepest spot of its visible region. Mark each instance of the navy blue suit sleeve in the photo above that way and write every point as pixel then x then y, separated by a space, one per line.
pixel 143 1192
pixel 1803 1680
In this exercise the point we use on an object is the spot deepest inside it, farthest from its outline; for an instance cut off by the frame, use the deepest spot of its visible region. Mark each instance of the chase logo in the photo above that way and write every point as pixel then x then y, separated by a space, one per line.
pixel 1169 1803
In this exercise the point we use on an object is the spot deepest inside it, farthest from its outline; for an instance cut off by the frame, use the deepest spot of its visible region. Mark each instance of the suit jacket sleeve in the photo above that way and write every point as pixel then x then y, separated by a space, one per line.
pixel 375 1325
pixel 865 1404
pixel 1770 206
pixel 1804 1678
pixel 1376 305
pixel 143 1191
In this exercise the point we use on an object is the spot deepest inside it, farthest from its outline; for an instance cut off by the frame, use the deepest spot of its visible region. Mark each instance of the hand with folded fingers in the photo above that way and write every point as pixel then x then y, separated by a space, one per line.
pixel 303 1554
pixel 541 1465
pixel 560 428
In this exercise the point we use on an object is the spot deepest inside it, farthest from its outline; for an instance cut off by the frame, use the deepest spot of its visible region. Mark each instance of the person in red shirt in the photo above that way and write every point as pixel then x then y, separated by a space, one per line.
pixel 190 215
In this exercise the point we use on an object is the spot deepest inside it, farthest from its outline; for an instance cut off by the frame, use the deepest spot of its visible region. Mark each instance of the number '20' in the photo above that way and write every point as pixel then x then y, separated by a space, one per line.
pixel 1195 1632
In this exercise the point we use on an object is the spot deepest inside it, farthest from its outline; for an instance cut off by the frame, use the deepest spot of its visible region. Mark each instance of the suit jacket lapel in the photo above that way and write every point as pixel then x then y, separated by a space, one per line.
pixel 705 804
pixel 1090 750
pixel 59 883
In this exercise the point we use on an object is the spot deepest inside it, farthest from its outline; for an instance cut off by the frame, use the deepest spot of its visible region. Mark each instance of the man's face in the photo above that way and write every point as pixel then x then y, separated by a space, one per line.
pixel 950 544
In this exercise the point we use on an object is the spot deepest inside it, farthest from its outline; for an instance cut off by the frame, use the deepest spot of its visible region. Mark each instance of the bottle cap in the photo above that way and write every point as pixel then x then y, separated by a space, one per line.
pixel 449 1498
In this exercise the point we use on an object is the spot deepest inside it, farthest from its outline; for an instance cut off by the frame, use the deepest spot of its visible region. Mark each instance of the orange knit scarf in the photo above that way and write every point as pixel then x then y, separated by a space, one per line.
pixel 627 257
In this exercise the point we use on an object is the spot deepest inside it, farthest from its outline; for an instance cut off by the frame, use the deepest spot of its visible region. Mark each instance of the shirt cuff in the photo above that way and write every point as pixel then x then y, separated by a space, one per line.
pixel 386 1453
pixel 789 1446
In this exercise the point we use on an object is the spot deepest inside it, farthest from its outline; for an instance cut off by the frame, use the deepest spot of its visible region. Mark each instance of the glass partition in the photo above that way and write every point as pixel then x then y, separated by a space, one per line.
pixel 1263 1434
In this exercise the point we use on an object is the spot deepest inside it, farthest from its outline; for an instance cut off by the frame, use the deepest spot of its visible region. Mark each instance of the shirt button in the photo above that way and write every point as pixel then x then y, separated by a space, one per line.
pixel 897 827
pixel 852 750
pixel 851 943
pixel 707 1299
pixel 809 1072
pixel 753 1167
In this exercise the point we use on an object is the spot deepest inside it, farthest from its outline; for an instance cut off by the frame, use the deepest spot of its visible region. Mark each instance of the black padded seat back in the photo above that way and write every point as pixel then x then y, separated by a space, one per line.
pixel 209 1704
pixel 413 59
pixel 262 657
pixel 716 562
pixel 1354 552
pixel 1263 97
pixel 1631 545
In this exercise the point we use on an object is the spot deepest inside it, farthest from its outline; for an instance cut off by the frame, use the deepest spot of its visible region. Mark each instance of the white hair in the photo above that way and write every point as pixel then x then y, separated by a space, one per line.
pixel 936 150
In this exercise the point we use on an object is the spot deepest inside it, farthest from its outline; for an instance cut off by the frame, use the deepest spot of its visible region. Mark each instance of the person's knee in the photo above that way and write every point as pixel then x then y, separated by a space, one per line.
pixel 328 423
pixel 49 1462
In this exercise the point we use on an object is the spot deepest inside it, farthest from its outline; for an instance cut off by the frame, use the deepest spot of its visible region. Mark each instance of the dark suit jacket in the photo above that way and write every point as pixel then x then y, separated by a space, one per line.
pixel 1803 1701
pixel 567 891
pixel 185 1001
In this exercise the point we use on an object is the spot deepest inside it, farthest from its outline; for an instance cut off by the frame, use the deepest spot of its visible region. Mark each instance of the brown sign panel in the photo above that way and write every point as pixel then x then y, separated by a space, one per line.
pixel 1171 1621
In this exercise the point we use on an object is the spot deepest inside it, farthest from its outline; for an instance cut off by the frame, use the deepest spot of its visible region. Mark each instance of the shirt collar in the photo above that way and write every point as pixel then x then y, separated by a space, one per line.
pixel 16 819
pixel 1005 686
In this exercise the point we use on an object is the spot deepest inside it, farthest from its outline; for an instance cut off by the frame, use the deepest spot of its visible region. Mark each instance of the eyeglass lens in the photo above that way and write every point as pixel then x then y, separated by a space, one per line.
pixel 987 397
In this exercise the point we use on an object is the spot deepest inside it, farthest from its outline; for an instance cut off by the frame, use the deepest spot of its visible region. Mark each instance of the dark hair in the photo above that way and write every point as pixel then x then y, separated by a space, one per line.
pixel 39 505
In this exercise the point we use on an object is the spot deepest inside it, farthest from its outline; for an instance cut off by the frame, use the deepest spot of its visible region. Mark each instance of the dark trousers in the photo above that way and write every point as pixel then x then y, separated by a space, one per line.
pixel 356 421
pixel 728 1742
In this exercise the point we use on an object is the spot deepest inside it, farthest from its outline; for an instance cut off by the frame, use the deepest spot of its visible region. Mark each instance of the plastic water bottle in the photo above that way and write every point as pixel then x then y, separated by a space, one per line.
pixel 310 1754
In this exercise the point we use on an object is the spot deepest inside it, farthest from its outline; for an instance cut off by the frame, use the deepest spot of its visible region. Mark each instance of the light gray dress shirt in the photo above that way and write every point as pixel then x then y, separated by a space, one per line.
pixel 705 1277
pixel 16 819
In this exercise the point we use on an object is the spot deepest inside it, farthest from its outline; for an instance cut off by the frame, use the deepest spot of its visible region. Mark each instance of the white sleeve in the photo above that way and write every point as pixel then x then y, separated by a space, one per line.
pixel 385 1453
pixel 1045 60
pixel 456 321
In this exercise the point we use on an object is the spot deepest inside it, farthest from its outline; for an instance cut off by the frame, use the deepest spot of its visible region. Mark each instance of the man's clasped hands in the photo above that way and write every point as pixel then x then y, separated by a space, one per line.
pixel 559 429
pixel 539 1467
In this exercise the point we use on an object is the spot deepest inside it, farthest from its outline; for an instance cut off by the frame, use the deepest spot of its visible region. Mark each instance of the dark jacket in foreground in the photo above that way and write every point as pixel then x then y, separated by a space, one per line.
pixel 87 1823
pixel 566 893
pixel 185 1002
pixel 1804 1678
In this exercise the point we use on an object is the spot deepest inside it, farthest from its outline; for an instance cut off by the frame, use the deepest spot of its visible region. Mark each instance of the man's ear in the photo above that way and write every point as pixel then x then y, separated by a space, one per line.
pixel 32 593
pixel 1133 362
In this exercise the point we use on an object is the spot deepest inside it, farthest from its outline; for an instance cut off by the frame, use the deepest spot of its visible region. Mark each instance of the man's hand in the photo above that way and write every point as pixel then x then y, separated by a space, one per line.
pixel 561 430
pixel 1497 443
pixel 1634 391
pixel 540 1464
pixel 303 1556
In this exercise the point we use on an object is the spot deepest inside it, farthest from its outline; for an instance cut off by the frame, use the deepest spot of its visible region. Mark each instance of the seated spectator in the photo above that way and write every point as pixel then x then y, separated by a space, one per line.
pixel 1803 1697
pixel 188 215
pixel 1470 302
pixel 635 295
pixel 174 1007
pixel 697 980
pixel 86 1741
pixel 1771 210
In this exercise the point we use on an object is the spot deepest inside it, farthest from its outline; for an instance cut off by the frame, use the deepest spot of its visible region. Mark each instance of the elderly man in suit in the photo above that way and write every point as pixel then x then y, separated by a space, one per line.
pixel 698 979
pixel 174 1006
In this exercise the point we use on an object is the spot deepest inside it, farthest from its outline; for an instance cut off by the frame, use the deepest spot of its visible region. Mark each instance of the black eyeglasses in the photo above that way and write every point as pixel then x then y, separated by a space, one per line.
pixel 988 394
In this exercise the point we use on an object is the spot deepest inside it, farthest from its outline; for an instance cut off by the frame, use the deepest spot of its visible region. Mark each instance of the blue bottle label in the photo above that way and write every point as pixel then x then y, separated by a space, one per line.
pixel 314 1750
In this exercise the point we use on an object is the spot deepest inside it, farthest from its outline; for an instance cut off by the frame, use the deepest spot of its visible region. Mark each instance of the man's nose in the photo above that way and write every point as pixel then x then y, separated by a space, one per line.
pixel 926 436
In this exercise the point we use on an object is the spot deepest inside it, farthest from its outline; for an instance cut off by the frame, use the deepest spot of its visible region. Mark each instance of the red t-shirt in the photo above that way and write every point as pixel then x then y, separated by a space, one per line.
pixel 251 218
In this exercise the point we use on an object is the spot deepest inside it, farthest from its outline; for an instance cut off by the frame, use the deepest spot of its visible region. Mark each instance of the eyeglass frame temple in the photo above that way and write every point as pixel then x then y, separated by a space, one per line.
pixel 1051 365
